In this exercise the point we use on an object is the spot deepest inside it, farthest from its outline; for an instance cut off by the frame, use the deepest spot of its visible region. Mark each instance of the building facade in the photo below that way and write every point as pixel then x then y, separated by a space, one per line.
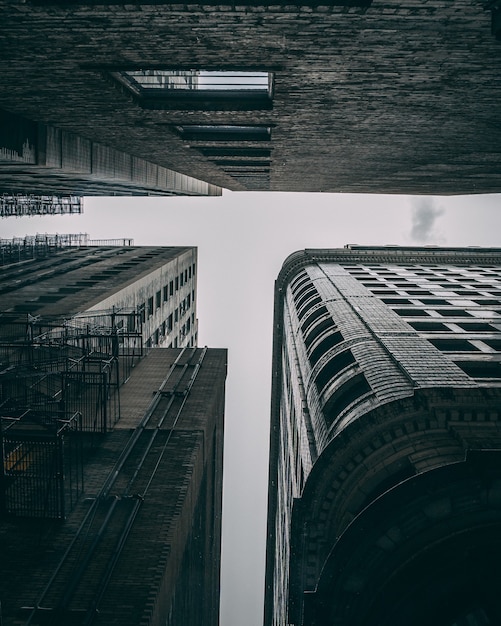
pixel 139 538
pixel 111 449
pixel 385 487
pixel 341 96
pixel 154 287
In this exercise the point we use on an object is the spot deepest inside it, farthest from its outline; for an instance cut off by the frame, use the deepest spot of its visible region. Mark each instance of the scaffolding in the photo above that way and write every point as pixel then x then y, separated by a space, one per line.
pixel 20 205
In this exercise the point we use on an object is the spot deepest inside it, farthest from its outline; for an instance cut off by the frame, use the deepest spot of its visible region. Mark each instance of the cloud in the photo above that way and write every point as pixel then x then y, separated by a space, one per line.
pixel 424 215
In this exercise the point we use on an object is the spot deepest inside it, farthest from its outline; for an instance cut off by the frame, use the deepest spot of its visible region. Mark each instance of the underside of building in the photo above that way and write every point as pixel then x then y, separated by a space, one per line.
pixel 400 96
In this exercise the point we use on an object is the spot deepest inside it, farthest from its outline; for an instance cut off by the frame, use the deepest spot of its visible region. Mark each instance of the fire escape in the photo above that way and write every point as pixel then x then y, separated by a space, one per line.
pixel 60 385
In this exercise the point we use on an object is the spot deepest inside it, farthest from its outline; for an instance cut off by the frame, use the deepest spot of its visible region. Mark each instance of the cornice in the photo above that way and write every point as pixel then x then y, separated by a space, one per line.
pixel 386 254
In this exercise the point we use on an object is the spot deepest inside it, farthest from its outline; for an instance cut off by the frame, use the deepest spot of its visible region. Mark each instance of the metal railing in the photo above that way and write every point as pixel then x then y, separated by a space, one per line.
pixel 41 473
pixel 19 205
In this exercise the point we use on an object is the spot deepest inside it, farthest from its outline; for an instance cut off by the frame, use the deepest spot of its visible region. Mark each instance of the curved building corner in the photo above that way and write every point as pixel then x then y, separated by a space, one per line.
pixel 385 480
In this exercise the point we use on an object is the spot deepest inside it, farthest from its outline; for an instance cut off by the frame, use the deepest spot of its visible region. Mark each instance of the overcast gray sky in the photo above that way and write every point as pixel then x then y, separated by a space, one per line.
pixel 242 240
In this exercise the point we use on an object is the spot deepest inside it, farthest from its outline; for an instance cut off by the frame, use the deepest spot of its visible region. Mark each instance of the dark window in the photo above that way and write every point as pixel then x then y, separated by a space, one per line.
pixel 350 391
pixel 318 313
pixel 310 302
pixel 453 345
pixel 215 152
pixel 317 330
pixel 395 301
pixel 329 342
pixel 169 323
pixel 165 293
pixel 429 326
pixel 303 296
pixel 453 313
pixel 171 288
pixel 477 327
pixel 176 315
pixel 429 301
pixel 215 132
pixel 332 368
pixel 411 312
pixel 481 369
pixel 300 288
pixel 493 343
pixel 150 306
pixel 177 283
pixel 158 299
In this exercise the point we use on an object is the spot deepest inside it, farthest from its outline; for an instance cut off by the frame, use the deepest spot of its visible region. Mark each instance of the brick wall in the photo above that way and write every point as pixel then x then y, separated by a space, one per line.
pixel 400 97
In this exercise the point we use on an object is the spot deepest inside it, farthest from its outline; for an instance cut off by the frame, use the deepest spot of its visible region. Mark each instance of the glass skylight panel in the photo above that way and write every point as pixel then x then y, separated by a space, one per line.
pixel 204 81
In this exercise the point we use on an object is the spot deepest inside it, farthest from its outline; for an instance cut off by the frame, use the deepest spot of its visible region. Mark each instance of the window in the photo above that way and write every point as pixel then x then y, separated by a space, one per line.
pixel 316 330
pixel 453 345
pixel 301 297
pixel 150 306
pixel 429 327
pixel 158 299
pixel 177 283
pixel 215 152
pixel 332 368
pixel 171 288
pixel 216 132
pixel 481 369
pixel 316 314
pixel 165 293
pixel 477 327
pixel 198 88
pixel 329 342
pixel 310 302
pixel 350 391
pixel 410 312
pixel 169 323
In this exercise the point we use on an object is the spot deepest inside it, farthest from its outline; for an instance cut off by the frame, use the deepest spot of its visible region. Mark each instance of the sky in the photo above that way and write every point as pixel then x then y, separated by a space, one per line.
pixel 243 239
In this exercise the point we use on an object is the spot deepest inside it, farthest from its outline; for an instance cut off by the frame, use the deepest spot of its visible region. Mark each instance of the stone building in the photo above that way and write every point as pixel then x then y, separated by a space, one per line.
pixel 111 451
pixel 385 482
pixel 393 96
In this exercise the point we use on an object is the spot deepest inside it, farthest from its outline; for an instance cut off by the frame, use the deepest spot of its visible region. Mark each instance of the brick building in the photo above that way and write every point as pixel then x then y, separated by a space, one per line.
pixel 393 96
pixel 384 487
pixel 111 452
